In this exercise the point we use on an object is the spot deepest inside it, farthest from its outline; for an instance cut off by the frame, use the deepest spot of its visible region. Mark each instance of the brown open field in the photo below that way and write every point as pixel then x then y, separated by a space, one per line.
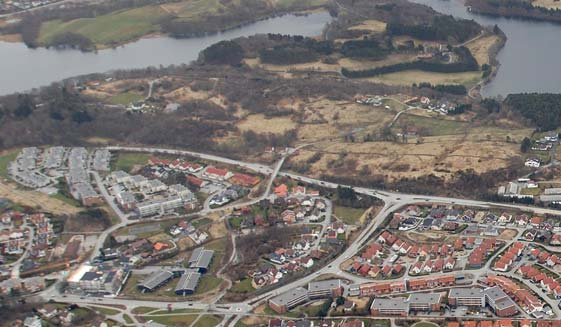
pixel 371 25
pixel 36 199
pixel 508 234
pixel 354 64
pixel 260 124
pixel 11 38
pixel 441 155
pixel 416 76
pixel 480 48
pixel 549 4
pixel 311 66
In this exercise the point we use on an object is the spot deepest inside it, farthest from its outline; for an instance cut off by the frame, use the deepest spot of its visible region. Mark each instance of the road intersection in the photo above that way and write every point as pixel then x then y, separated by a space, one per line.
pixel 392 202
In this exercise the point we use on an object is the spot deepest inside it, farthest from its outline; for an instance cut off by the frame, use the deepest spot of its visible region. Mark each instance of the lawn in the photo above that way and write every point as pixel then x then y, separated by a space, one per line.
pixel 143 310
pixel 208 321
pixel 126 98
pixel 244 286
pixel 109 29
pixel 128 319
pixel 127 160
pixel 106 311
pixel 5 159
pixel 350 216
pixel 425 324
pixel 208 283
pixel 434 126
pixel 174 311
pixel 180 321
pixel 410 77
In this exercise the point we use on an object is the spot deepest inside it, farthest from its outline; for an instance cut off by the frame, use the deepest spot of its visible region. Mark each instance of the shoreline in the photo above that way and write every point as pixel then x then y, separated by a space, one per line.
pixel 538 14
pixel 16 38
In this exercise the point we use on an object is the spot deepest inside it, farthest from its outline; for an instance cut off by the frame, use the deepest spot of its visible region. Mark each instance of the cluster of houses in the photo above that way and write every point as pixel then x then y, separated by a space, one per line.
pixel 525 299
pixel 548 284
pixel 198 264
pixel 137 253
pixel 545 143
pixel 13 237
pixel 42 237
pixel 506 323
pixel 482 251
pixel 227 195
pixel 505 260
pixel 185 228
pixel 22 286
pixel 157 198
pixel 312 323
pixel 41 169
pixel 11 6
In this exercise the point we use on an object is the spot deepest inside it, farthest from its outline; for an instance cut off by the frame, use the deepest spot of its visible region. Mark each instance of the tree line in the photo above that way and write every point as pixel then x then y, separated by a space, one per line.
pixel 466 63
pixel 543 109
pixel 442 28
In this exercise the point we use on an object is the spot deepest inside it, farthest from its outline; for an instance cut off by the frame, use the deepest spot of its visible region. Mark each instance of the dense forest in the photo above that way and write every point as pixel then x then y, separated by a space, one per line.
pixel 442 28
pixel 514 9
pixel 544 110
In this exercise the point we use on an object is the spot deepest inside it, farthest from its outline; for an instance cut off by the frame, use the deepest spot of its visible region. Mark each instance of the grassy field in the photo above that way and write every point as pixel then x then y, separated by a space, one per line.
pixel 5 159
pixel 127 160
pixel 549 4
pixel 174 311
pixel 208 321
pixel 208 283
pixel 126 98
pixel 180 321
pixel 409 77
pixel 434 125
pixel 143 310
pixel 244 286
pixel 113 28
pixel 106 311
pixel 350 216
pixel 425 324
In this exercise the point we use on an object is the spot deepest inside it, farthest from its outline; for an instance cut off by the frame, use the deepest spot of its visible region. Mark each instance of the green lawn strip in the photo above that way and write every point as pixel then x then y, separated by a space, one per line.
pixel 128 319
pixel 5 160
pixel 144 310
pixel 174 311
pixel 180 321
pixel 106 311
pixel 208 321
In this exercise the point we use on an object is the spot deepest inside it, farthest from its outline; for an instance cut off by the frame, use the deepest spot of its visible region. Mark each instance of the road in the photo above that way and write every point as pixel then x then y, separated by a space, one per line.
pixel 392 202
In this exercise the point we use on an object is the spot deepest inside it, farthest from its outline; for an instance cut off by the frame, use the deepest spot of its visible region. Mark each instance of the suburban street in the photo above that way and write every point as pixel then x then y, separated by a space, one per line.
pixel 392 202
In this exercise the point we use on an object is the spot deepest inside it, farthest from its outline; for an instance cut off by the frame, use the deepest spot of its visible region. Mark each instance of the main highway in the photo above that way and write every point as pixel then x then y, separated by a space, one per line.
pixel 392 202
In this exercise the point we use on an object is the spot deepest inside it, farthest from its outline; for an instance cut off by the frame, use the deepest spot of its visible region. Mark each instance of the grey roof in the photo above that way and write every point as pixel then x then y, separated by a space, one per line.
pixel 188 281
pixel 324 285
pixel 156 279
pixel 497 298
pixel 381 303
pixel 550 198
pixel 289 296
pixel 550 191
pixel 465 292
pixel 201 258
pixel 425 298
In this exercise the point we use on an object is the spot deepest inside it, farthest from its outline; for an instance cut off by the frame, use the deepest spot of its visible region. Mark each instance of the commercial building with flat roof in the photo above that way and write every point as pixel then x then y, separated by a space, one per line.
pixel 288 300
pixel 500 302
pixel 389 307
pixel 325 288
pixel 470 297
pixel 425 301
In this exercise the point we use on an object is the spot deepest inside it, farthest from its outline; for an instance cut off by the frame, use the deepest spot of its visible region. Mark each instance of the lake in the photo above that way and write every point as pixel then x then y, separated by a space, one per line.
pixel 531 58
pixel 22 68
